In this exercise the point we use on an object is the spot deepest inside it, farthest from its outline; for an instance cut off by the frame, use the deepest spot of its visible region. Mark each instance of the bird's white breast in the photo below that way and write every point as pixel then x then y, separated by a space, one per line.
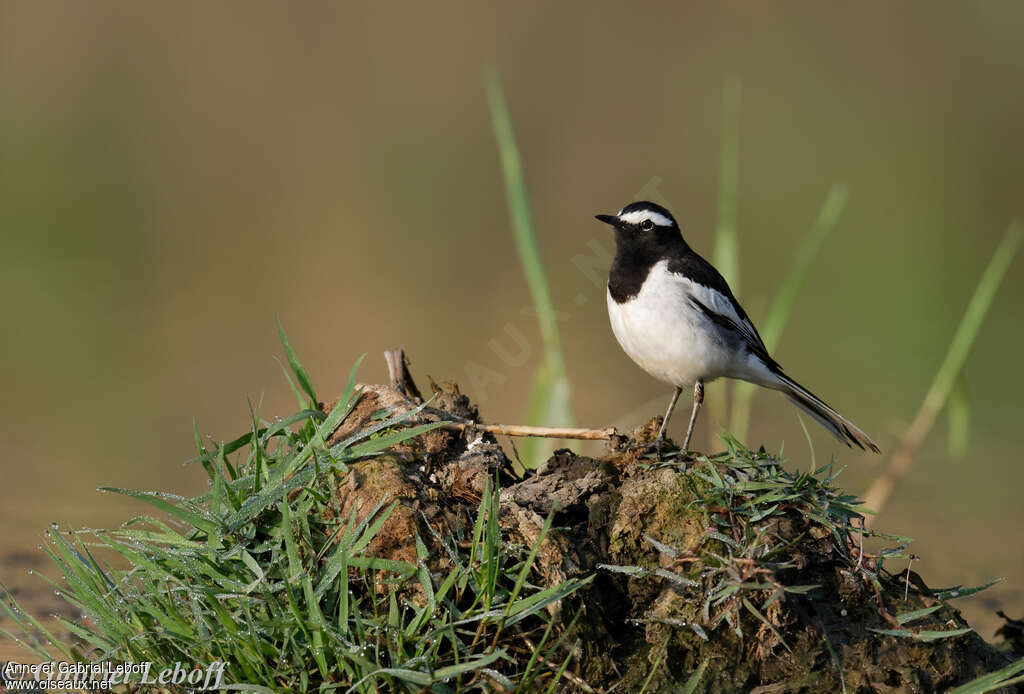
pixel 667 336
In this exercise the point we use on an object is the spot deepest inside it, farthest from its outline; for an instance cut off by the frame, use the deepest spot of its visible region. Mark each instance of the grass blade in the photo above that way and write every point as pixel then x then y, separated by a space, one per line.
pixel 946 376
pixel 727 246
pixel 194 519
pixel 959 420
pixel 726 254
pixel 300 371
pixel 275 579
pixel 655 666
pixel 926 635
pixel 549 401
pixel 907 617
pixel 961 592
pixel 387 441
pixel 691 684
pixel 1007 676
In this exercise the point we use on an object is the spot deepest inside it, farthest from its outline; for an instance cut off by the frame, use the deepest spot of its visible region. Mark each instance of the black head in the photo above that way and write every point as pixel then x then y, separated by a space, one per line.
pixel 645 234
pixel 642 222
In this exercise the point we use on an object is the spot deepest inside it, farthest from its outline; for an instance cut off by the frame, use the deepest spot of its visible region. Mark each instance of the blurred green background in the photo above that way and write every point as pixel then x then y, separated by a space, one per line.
pixel 175 174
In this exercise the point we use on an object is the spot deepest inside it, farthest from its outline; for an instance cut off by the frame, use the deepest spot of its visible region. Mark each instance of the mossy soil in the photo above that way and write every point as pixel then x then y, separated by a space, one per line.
pixel 731 565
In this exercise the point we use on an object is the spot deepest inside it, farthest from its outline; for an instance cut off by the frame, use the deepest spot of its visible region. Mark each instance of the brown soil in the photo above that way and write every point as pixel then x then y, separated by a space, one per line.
pixel 607 512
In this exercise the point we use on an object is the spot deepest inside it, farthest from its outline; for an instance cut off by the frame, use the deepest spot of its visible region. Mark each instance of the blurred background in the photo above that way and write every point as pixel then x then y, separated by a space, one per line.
pixel 174 175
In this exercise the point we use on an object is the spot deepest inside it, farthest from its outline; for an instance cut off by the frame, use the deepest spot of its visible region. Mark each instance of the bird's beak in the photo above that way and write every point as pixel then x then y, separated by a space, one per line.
pixel 607 218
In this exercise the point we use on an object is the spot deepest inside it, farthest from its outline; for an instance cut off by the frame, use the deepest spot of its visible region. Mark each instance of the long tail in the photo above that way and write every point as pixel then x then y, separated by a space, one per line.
pixel 840 427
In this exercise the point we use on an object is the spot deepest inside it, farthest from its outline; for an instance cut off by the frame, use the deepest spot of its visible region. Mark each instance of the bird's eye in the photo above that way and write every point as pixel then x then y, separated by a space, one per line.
pixel 647 225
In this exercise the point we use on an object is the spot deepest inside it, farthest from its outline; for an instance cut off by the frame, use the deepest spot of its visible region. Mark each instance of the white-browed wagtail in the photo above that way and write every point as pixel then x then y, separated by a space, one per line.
pixel 676 317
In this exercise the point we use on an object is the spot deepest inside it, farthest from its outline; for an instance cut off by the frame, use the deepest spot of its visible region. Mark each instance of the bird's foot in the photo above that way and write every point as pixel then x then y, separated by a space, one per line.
pixel 659 446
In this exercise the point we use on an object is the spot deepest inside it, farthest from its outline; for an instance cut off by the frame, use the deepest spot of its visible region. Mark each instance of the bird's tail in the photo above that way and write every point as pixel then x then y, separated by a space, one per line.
pixel 840 427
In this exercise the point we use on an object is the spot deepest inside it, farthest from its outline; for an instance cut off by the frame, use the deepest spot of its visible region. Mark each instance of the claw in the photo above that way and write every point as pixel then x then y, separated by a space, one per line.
pixel 658 446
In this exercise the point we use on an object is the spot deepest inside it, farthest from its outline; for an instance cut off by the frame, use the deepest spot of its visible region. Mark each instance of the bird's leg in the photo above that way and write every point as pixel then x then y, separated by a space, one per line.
pixel 698 398
pixel 668 415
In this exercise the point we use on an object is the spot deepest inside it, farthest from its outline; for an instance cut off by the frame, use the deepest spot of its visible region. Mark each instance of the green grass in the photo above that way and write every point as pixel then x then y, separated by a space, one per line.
pixel 945 388
pixel 1006 677
pixel 726 256
pixel 550 397
pixel 743 571
pixel 970 324
pixel 945 380
pixel 739 492
pixel 726 252
pixel 265 572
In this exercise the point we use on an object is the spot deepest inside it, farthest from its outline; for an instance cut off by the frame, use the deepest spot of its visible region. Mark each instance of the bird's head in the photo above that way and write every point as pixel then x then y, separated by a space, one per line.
pixel 643 222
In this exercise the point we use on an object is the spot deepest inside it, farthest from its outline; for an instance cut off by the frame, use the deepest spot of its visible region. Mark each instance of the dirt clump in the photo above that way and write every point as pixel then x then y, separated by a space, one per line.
pixel 728 565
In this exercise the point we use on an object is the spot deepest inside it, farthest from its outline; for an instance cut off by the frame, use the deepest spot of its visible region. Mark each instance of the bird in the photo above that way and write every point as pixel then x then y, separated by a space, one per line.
pixel 673 313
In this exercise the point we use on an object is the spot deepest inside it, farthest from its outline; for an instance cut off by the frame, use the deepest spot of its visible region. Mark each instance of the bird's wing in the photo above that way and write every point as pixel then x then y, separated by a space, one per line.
pixel 728 315
pixel 710 293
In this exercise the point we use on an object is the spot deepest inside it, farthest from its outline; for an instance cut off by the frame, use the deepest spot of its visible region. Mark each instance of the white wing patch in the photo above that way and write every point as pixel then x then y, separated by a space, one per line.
pixel 720 304
pixel 637 216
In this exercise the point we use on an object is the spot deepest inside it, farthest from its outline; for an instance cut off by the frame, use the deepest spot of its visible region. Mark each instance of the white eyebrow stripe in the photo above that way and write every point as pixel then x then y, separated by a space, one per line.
pixel 637 216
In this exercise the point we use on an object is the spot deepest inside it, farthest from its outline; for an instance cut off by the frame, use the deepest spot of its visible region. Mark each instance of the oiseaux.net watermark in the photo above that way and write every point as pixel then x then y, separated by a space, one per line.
pixel 103 676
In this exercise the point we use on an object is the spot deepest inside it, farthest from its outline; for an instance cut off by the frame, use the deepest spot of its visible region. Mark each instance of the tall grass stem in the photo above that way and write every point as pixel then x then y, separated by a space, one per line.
pixel 549 401
pixel 945 378
pixel 726 254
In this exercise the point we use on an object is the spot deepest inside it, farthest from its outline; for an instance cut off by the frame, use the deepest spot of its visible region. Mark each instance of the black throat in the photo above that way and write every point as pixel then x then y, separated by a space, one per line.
pixel 636 254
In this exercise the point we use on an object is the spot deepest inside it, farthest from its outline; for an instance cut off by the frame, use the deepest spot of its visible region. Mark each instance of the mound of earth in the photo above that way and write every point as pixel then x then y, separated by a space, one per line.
pixel 730 570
